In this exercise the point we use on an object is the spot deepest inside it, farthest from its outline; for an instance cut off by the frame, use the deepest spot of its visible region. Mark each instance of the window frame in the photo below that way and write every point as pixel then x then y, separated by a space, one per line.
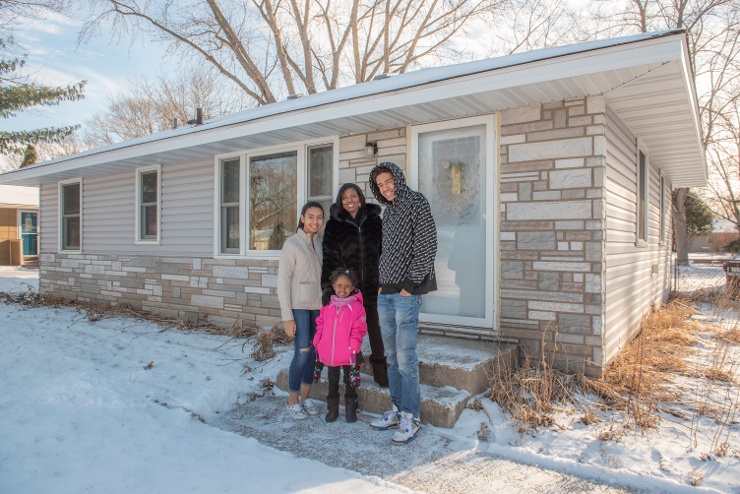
pixel 61 216
pixel 642 196
pixel 302 183
pixel 139 239
pixel 663 210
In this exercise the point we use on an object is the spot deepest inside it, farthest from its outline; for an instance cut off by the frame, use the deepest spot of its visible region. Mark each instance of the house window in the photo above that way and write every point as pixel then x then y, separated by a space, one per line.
pixel 320 172
pixel 230 185
pixel 642 196
pixel 71 219
pixel 147 196
pixel 272 199
pixel 663 211
pixel 260 195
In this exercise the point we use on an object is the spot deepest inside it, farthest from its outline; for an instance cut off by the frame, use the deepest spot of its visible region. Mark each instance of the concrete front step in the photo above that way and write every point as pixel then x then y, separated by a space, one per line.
pixel 451 371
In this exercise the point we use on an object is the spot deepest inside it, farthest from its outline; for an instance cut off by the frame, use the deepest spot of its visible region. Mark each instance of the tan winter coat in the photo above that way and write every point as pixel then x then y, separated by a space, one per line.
pixel 299 274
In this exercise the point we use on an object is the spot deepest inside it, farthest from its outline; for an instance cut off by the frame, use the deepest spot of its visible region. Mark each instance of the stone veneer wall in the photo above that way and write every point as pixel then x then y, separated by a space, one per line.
pixel 216 291
pixel 552 231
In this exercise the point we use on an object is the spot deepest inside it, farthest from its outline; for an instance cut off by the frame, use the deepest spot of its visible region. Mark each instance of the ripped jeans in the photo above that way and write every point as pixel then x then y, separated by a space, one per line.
pixel 304 354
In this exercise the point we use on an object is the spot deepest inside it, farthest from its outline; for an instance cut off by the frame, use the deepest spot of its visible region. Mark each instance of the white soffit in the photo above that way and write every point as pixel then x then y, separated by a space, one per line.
pixel 643 81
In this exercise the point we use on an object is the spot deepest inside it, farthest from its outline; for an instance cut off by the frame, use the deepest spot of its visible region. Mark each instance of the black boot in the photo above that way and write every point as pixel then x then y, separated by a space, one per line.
pixel 333 405
pixel 350 409
pixel 380 371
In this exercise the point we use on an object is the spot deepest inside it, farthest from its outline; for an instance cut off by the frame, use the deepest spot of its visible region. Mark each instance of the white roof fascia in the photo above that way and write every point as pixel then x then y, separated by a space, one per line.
pixel 406 90
pixel 693 100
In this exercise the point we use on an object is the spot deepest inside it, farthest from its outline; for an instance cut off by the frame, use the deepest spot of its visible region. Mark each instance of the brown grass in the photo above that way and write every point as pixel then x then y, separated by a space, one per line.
pixel 97 312
pixel 640 381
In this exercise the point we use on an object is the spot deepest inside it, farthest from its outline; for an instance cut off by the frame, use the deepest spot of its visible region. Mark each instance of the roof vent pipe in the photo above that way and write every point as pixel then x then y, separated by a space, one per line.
pixel 174 123
pixel 198 117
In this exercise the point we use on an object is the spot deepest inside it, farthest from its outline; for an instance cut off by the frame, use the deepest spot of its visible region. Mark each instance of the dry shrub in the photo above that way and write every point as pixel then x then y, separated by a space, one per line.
pixel 532 394
pixel 264 347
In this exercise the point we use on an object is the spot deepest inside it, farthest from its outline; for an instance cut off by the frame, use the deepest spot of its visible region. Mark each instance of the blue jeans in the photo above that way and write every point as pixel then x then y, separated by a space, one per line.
pixel 399 323
pixel 304 354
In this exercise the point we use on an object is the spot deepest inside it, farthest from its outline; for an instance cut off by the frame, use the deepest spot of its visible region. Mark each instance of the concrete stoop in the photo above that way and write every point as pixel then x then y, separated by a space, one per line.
pixel 451 371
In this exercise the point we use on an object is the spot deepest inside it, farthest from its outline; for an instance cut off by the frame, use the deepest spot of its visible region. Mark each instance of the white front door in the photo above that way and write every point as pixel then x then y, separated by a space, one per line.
pixel 453 165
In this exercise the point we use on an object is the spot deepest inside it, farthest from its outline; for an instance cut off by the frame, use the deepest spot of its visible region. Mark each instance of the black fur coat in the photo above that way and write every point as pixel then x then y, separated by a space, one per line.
pixel 355 244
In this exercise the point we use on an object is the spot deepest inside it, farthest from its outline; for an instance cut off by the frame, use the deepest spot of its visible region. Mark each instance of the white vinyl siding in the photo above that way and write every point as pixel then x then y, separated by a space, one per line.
pixel 48 220
pixel 109 213
pixel 636 276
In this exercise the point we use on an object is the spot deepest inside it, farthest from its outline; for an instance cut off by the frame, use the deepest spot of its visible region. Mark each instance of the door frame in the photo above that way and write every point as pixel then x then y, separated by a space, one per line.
pixel 490 321
pixel 20 230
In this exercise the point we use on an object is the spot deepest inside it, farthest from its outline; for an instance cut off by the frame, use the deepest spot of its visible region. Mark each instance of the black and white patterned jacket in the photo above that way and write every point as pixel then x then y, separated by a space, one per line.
pixel 409 237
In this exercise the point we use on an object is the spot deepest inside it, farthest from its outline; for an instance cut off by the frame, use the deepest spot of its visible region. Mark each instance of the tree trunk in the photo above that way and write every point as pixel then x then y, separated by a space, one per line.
pixel 680 235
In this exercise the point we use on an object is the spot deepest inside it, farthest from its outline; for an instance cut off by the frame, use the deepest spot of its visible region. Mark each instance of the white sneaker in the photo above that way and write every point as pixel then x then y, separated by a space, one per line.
pixel 310 407
pixel 389 420
pixel 407 430
pixel 296 411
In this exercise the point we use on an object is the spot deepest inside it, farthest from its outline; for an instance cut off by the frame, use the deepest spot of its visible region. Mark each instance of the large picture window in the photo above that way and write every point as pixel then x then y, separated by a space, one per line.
pixel 259 195
pixel 147 195
pixel 71 218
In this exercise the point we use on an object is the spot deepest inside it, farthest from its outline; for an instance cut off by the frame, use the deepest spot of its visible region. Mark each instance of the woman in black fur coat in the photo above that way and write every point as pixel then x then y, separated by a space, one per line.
pixel 352 240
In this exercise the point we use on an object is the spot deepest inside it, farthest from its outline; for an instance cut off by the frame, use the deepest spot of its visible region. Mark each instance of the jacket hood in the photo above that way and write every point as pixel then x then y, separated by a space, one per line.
pixel 399 181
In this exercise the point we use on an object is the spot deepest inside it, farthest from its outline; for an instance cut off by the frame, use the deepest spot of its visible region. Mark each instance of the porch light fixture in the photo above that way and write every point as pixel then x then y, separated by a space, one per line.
pixel 371 149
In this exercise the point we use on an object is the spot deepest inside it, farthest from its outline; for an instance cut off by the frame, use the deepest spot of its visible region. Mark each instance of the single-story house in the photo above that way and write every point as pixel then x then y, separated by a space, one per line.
pixel 548 172
pixel 19 208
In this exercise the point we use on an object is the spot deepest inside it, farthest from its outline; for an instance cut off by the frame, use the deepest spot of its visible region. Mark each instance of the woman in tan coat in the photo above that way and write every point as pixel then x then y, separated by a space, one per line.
pixel 299 294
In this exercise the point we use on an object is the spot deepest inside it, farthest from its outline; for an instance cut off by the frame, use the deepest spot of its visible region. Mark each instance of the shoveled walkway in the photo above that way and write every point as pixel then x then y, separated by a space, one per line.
pixel 436 462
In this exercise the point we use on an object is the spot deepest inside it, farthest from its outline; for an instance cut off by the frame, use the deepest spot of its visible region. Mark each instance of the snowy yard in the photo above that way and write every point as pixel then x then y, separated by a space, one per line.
pixel 122 405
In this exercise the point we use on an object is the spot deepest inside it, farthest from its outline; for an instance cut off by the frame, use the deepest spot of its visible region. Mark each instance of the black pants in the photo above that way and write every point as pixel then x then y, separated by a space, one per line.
pixel 349 391
pixel 377 350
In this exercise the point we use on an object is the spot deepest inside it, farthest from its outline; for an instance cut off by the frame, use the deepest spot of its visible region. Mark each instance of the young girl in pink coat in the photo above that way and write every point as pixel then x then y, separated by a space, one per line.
pixel 340 327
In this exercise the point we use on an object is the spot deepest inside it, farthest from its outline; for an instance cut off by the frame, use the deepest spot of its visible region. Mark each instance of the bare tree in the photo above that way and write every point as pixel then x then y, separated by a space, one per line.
pixel 723 156
pixel 270 48
pixel 712 28
pixel 149 106
pixel 524 25
pixel 13 11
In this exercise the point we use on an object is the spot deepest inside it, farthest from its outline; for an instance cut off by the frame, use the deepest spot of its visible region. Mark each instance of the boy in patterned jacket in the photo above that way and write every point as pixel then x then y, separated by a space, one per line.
pixel 406 273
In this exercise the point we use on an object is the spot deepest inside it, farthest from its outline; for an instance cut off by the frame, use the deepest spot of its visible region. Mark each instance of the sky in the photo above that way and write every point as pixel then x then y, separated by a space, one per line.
pixel 54 58
pixel 120 405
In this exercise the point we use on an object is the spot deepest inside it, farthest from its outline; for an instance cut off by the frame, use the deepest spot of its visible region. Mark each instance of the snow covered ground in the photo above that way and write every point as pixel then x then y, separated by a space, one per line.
pixel 121 405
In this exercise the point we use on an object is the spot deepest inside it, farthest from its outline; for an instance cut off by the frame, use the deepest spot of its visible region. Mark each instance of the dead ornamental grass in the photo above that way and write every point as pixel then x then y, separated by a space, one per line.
pixel 639 381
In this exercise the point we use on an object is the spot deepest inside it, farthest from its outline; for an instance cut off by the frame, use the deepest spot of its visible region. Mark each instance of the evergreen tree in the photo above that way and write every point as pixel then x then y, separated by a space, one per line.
pixel 17 94
pixel 29 157
pixel 699 218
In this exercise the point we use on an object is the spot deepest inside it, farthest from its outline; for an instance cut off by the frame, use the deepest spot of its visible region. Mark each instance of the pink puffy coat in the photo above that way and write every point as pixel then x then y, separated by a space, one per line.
pixel 340 327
